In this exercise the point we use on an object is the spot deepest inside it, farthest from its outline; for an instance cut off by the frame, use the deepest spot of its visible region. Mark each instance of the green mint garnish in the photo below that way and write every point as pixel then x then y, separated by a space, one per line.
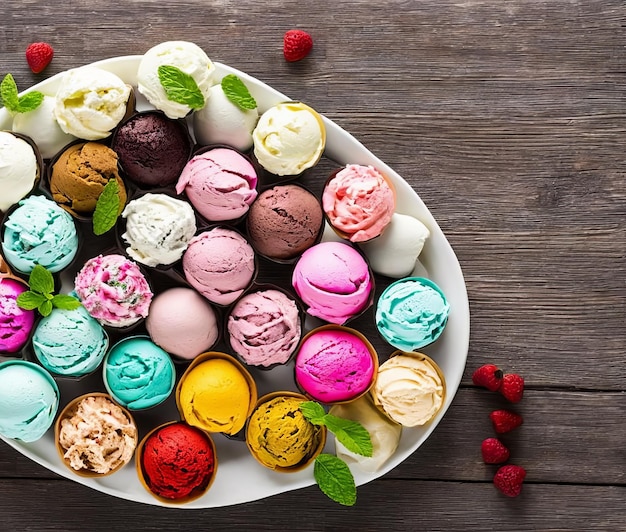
pixel 107 208
pixel 180 87
pixel 18 104
pixel 40 297
pixel 335 479
pixel 236 91
pixel 332 474
pixel 351 434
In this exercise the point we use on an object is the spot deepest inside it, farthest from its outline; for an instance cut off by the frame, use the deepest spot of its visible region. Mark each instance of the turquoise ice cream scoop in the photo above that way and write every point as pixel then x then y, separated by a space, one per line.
pixel 138 373
pixel 411 313
pixel 29 400
pixel 70 342
pixel 38 231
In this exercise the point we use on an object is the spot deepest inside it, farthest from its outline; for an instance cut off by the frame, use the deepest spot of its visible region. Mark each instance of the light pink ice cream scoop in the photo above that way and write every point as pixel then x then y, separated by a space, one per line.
pixel 220 183
pixel 334 282
pixel 358 202
pixel 334 365
pixel 220 264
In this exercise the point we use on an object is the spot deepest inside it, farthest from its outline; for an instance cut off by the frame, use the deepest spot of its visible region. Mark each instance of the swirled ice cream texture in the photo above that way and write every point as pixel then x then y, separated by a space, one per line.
pixel 113 290
pixel 359 202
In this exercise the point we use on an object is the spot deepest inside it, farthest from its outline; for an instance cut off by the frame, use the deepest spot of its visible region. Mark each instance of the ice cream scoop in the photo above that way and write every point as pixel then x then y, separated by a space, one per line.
pixel 220 264
pixel 264 327
pixel 138 373
pixel 358 202
pixel 410 388
pixel 29 400
pixel 41 125
pixel 177 462
pixel 90 102
pixel 16 323
pixel 335 364
pixel 38 231
pixel 95 436
pixel 182 322
pixel 113 290
pixel 19 169
pixel 280 437
pixel 221 121
pixel 79 175
pixel 411 313
pixel 70 342
pixel 185 56
pixel 284 221
pixel 220 183
pixel 216 394
pixel 152 148
pixel 384 433
pixel 334 281
pixel 395 252
pixel 289 138
pixel 158 228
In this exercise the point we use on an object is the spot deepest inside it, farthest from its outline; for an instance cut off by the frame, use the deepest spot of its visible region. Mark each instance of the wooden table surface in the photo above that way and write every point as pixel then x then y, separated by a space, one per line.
pixel 509 119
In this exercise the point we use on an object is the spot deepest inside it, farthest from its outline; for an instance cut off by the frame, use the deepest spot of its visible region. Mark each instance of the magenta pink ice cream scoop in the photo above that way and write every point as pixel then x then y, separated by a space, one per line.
pixel 220 183
pixel 334 282
pixel 335 365
pixel 15 322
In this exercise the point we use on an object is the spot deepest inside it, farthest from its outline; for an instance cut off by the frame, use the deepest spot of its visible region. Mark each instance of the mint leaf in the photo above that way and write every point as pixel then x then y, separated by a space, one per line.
pixel 30 300
pixel 65 302
pixel 335 479
pixel 8 93
pixel 45 308
pixel 29 102
pixel 236 91
pixel 180 87
pixel 351 434
pixel 313 411
pixel 107 208
pixel 15 103
pixel 41 280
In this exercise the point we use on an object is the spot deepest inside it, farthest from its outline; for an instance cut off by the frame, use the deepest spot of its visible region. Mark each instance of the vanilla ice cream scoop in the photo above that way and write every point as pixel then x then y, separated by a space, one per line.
pixel 186 56
pixel 289 138
pixel 19 169
pixel 90 102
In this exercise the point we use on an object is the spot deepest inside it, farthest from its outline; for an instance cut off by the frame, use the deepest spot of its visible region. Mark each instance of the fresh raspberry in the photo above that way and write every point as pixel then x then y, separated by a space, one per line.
pixel 488 376
pixel 296 45
pixel 512 387
pixel 38 56
pixel 494 451
pixel 505 420
pixel 509 478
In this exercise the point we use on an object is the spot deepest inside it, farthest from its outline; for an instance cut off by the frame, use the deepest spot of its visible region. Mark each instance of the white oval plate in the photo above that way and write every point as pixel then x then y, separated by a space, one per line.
pixel 239 477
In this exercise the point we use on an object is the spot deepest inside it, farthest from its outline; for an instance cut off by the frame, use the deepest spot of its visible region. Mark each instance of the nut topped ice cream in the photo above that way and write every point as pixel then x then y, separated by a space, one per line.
pixel 113 290
pixel 90 102
pixel 409 388
pixel 95 436
pixel 158 228
pixel 289 138
pixel 186 56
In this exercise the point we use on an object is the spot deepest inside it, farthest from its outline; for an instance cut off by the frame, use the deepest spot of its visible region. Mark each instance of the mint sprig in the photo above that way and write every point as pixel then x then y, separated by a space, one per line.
pixel 18 104
pixel 180 87
pixel 332 474
pixel 335 479
pixel 237 92
pixel 107 208
pixel 40 294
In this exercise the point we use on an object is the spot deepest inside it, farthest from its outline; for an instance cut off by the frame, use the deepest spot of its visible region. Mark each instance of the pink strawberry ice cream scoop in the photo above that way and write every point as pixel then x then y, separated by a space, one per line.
pixel 220 264
pixel 334 281
pixel 264 327
pixel 358 202
pixel 113 290
pixel 15 322
pixel 220 183
pixel 335 364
